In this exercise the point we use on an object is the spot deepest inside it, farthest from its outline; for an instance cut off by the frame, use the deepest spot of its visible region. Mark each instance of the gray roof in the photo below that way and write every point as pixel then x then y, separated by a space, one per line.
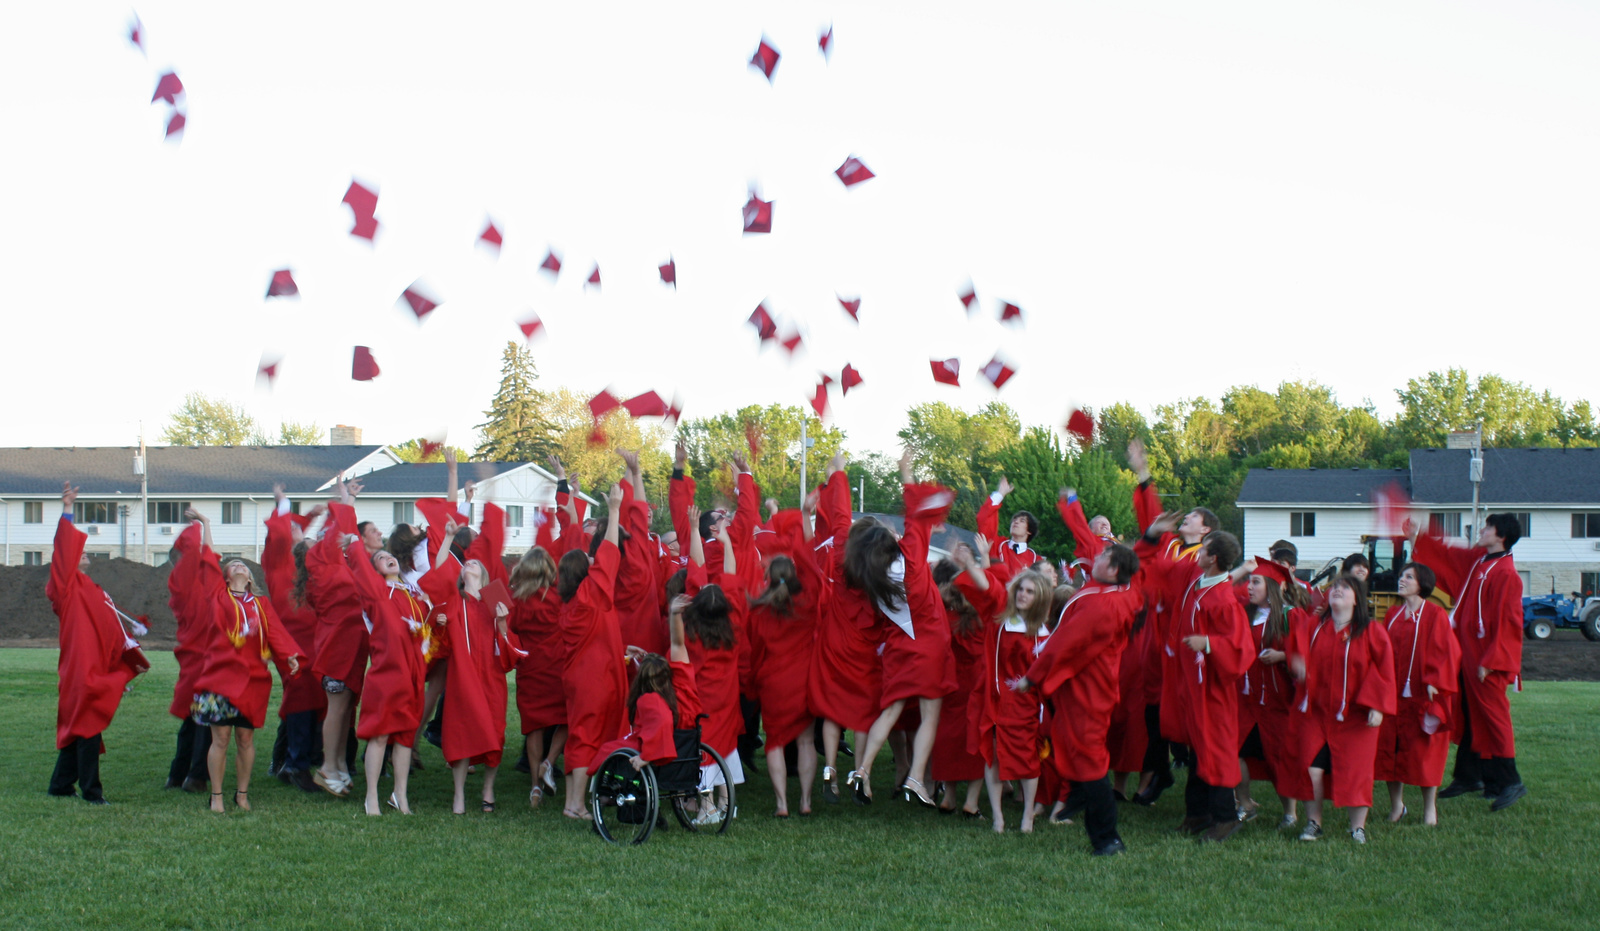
pixel 429 478
pixel 1318 486
pixel 1510 476
pixel 174 470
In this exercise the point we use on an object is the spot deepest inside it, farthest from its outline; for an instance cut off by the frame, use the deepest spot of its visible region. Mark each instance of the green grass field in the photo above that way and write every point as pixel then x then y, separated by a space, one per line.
pixel 157 859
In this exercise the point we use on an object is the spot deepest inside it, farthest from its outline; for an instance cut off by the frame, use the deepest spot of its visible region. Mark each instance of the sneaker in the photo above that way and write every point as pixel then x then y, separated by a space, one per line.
pixel 1359 835
pixel 1288 822
pixel 1313 831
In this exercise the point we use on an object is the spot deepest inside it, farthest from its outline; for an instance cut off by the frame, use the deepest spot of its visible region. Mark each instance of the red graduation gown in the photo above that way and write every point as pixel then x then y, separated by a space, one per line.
pixel 716 671
pixel 1345 678
pixel 780 644
pixel 391 703
pixel 246 635
pixel 475 690
pixel 955 756
pixel 1008 720
pixel 90 665
pixel 846 677
pixel 1425 653
pixel 1003 550
pixel 594 678
pixel 651 730
pixel 1077 671
pixel 300 693
pixel 193 616
pixel 342 644
pixel 541 697
pixel 637 601
pixel 918 664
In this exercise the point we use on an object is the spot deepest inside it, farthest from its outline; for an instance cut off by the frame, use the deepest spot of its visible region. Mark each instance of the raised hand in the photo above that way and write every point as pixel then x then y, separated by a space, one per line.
pixel 1066 493
pixel 471 489
pixel 354 487
pixel 1005 488
pixel 556 468
pixel 771 504
pixel 693 513
pixel 193 515
pixel 906 458
pixel 740 463
pixel 1137 460
pixel 680 455
pixel 679 602
pixel 630 458
pixel 1166 523
pixel 836 462
pixel 614 497
pixel 450 528
pixel 449 456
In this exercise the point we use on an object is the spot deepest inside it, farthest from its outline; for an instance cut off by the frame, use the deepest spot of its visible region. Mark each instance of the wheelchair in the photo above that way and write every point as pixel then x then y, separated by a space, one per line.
pixel 626 803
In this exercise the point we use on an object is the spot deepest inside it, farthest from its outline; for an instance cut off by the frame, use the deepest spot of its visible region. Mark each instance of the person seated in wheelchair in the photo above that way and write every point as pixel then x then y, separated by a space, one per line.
pixel 661 701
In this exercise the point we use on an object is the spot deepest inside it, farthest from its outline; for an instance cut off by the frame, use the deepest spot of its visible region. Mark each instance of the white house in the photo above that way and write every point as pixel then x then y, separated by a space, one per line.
pixel 1555 493
pixel 232 486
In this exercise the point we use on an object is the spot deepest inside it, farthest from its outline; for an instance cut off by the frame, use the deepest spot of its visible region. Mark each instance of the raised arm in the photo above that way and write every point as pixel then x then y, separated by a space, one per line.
pixel 680 497
pixel 679 653
pixel 490 543
pixel 747 512
pixel 1085 544
pixel 697 547
pixel 989 516
pixel 69 544
pixel 451 485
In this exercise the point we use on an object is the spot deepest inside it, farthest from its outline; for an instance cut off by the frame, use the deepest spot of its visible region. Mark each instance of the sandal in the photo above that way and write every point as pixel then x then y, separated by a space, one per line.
pixel 246 805
pixel 488 807
pixel 535 796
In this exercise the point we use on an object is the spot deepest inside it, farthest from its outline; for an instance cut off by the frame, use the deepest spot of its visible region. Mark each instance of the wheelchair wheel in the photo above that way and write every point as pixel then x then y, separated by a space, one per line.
pixel 709 811
pixel 624 802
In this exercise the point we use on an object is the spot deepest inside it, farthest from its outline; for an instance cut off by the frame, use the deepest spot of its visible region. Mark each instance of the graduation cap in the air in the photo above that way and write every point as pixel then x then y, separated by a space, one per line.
pixel 648 404
pixel 819 400
pixel 853 172
pixel 530 325
pixel 674 410
pixel 852 307
pixel 849 378
pixel 602 404
pixel 363 202
pixel 946 371
pixel 757 215
pixel 417 300
pixel 282 284
pixel 669 272
pixel 268 368
pixel 363 367
pixel 968 297
pixel 176 123
pixel 1010 312
pixel 761 319
pixel 1081 425
pixel 168 88
pixel 551 264
pixel 825 42
pixel 594 277
pixel 136 34
pixel 765 58
pixel 791 342
pixel 998 372
pixel 491 236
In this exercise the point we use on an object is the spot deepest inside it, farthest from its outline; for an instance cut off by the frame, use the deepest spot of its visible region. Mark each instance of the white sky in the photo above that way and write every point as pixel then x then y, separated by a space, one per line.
pixel 1351 192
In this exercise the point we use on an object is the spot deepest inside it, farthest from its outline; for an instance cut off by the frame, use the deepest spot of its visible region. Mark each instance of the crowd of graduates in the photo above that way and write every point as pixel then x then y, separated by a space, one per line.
pixel 986 671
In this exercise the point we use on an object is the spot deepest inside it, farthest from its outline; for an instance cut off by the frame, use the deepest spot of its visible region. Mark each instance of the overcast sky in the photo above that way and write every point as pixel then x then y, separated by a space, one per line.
pixel 1180 196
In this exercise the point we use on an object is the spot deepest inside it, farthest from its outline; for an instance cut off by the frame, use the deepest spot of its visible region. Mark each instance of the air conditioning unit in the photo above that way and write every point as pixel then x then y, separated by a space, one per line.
pixel 1597 544
pixel 166 530
pixel 92 529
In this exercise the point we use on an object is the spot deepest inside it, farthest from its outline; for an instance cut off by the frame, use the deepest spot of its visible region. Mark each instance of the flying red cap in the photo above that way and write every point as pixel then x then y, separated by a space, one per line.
pixel 602 404
pixel 417 300
pixel 791 342
pixel 669 273
pixel 765 58
pixel 761 319
pixel 998 372
pixel 491 236
pixel 363 203
pixel 848 379
pixel 853 172
pixel 551 264
pixel 1081 425
pixel 851 307
pixel 168 88
pixel 757 215
pixel 648 404
pixel 825 42
pixel 594 277
pixel 176 123
pixel 1010 312
pixel 530 325
pixel 136 35
pixel 268 368
pixel 946 371
pixel 819 400
pixel 968 297
pixel 363 367
pixel 282 284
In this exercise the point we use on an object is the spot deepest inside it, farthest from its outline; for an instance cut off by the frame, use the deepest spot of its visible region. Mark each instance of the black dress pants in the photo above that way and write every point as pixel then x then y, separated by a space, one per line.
pixel 1155 748
pixel 1203 800
pixel 78 763
pixel 1099 809
pixel 189 759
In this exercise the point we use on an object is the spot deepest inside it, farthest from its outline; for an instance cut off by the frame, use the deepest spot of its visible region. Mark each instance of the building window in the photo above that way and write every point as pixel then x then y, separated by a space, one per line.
pixel 94 512
pixel 233 512
pixel 1588 583
pixel 1444 524
pixel 227 556
pixel 32 513
pixel 169 512
pixel 1525 521
pixel 405 512
pixel 513 515
pixel 36 558
pixel 1302 523
pixel 294 507
pixel 1585 525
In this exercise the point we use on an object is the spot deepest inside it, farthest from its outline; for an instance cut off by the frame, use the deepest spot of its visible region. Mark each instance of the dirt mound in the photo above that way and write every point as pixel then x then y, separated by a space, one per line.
pixel 1565 657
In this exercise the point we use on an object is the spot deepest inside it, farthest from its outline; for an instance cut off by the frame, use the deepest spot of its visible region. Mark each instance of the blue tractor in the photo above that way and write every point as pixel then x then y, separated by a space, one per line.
pixel 1543 614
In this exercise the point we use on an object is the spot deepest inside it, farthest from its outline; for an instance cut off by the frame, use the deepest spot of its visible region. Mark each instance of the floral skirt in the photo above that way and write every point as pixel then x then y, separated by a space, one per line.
pixel 212 710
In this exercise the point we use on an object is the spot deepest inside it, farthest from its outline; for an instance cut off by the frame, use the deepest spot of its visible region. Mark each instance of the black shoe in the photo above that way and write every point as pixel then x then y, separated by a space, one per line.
pixel 1508 796
pixel 194 785
pixel 1110 850
pixel 172 783
pixel 433 734
pixel 1460 788
pixel 285 777
pixel 302 780
pixel 1161 783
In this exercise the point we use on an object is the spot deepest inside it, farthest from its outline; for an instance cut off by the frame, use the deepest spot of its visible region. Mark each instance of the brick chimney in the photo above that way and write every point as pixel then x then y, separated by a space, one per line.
pixel 344 435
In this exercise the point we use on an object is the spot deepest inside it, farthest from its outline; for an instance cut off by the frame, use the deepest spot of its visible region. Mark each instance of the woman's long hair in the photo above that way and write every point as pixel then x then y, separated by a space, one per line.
pixel 869 551
pixel 402 543
pixel 570 573
pixel 302 575
pixel 783 583
pixel 654 675
pixel 706 619
pixel 964 617
pixel 1038 610
pixel 1277 626
pixel 533 572
pixel 1360 615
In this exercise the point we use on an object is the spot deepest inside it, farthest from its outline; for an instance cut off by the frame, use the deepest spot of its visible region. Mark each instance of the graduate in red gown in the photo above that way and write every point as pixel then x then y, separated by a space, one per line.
pixel 444 522
pixel 594 678
pixel 1211 649
pixel 391 704
pixel 1488 624
pixel 1347 688
pixel 783 624
pixel 638 601
pixel 970 609
pixel 188 769
pixel 917 663
pixel 1414 741
pixel 342 643
pixel 235 685
pixel 1007 720
pixel 846 677
pixel 712 621
pixel 663 698
pixel 536 622
pixel 304 701
pixel 1013 551
pixel 1077 671
pixel 95 663
pixel 1266 691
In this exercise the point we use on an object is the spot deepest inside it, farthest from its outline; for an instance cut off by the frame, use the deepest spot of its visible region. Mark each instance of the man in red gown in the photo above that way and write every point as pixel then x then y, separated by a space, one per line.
pixel 1013 553
pixel 1488 623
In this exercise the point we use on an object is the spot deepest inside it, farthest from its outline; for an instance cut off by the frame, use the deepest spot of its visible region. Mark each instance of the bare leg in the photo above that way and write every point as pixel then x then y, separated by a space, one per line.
pixel 1144 782
pixel 1397 802
pixel 778 772
pixel 244 760
pixel 217 763
pixel 922 742
pixel 578 793
pixel 1314 807
pixel 1030 788
pixel 402 777
pixel 1291 809
pixel 875 739
pixel 335 730
pixel 900 752
pixel 1358 817
pixel 991 778
pixel 973 789
pixel 489 774
pixel 1430 805
pixel 533 746
pixel 806 746
pixel 831 733
pixel 458 770
pixel 374 770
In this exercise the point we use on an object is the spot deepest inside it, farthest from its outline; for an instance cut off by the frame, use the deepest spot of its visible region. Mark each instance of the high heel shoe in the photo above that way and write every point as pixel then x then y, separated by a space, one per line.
pixel 830 785
pixel 861 782
pixel 246 805
pixel 912 787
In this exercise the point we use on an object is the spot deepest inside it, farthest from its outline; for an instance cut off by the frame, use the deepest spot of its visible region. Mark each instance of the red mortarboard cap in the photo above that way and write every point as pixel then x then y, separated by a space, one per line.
pixel 851 307
pixel 1010 312
pixel 363 206
pixel 765 58
pixel 363 367
pixel 594 276
pixel 791 342
pixel 946 371
pixel 597 436
pixel 998 372
pixel 268 368
pixel 282 284
pixel 1081 425
pixel 853 172
pixel 669 273
pixel 551 264
pixel 418 301
pixel 819 400
pixel 1268 569
pixel 491 236
pixel 648 404
pixel 168 87
pixel 531 325
pixel 176 123
pixel 365 228
pixel 757 215
pixel 968 297
pixel 848 379
pixel 675 409
pixel 136 34
pixel 602 404
pixel 761 319
pixel 827 379
pixel 752 439
pixel 825 42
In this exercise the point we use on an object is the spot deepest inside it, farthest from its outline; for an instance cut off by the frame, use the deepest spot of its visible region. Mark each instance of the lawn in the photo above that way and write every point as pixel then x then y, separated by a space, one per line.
pixel 157 859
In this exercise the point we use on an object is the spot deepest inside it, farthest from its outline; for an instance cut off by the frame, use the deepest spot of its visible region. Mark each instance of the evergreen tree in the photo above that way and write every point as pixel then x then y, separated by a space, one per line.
pixel 517 429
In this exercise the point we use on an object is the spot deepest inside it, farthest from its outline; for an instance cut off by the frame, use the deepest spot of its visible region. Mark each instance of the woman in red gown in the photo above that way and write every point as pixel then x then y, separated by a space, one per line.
pixel 342 642
pixel 1347 689
pixel 1414 742
pixel 955 755
pixel 1266 691
pixel 712 621
pixel 235 684
pixel 541 700
pixel 1008 720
